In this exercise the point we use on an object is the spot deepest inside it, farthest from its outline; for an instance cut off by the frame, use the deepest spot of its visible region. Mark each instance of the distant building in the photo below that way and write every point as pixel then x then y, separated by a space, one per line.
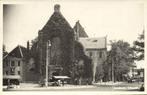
pixel 95 48
pixel 132 70
pixel 140 73
pixel 79 31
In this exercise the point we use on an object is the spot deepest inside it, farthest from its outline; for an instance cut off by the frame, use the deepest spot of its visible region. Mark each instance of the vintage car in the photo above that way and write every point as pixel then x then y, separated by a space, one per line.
pixel 11 81
pixel 56 81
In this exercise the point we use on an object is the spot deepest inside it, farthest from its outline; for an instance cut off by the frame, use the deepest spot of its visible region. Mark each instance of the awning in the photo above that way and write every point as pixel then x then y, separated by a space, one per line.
pixel 61 77
pixel 11 77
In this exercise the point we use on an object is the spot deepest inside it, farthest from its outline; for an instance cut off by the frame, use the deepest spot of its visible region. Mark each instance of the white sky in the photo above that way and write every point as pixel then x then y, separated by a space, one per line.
pixel 119 20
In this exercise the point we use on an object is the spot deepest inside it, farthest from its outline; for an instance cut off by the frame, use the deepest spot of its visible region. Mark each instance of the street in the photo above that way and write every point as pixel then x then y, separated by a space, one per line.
pixel 96 87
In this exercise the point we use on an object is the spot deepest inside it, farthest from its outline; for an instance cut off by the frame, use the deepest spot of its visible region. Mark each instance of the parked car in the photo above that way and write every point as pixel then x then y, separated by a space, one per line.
pixel 142 87
pixel 56 81
pixel 135 79
pixel 10 83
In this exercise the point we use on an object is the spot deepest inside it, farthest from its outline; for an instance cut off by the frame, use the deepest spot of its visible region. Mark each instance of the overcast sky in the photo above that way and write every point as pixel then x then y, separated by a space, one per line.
pixel 118 20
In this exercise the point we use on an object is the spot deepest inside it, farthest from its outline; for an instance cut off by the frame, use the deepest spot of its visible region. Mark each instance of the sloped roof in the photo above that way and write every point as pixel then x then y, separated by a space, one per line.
pixel 18 52
pixel 93 43
pixel 78 28
pixel 57 22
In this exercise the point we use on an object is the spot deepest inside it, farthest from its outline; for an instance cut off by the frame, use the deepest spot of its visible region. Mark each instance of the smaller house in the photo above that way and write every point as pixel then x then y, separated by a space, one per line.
pixel 96 49
pixel 132 70
pixel 16 64
pixel 14 61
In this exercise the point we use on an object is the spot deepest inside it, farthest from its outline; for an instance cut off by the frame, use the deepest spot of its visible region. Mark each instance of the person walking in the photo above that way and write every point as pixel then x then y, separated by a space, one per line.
pixel 62 82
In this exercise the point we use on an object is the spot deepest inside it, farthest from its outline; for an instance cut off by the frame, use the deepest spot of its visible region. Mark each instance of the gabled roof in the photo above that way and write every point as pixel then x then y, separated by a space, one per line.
pixel 78 28
pixel 93 43
pixel 18 52
pixel 57 22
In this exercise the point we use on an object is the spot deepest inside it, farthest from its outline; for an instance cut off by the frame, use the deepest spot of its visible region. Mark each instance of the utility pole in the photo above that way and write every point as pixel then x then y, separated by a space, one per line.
pixel 112 69
pixel 47 61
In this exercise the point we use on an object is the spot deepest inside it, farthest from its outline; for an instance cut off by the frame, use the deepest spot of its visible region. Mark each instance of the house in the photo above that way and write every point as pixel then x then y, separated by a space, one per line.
pixel 132 70
pixel 95 48
pixel 16 65
pixel 14 61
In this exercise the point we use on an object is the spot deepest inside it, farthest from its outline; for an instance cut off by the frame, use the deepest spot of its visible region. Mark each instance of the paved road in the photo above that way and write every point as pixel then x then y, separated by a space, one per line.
pixel 96 87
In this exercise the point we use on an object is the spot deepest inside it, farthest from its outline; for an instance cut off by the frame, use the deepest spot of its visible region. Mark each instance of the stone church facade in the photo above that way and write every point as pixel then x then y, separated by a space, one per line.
pixel 61 36
pixel 63 52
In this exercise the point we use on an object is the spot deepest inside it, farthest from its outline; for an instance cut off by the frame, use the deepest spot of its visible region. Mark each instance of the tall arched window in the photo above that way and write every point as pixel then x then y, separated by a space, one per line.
pixel 55 51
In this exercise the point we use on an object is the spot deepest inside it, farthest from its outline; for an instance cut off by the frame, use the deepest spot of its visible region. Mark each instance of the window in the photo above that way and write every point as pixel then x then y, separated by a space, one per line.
pixel 18 72
pixel 12 71
pixel 6 62
pixel 90 54
pixel 6 72
pixel 100 54
pixel 18 63
pixel 12 63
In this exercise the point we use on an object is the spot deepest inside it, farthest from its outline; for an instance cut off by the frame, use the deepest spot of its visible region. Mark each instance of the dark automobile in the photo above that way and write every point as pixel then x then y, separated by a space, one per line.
pixel 11 81
pixel 56 81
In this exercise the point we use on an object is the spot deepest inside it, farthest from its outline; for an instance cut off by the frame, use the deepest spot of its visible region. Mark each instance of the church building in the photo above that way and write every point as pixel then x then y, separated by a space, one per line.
pixel 61 50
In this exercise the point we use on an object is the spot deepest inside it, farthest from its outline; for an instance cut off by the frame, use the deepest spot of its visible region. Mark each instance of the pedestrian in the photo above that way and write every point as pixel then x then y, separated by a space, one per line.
pixel 76 81
pixel 59 82
pixel 87 81
pixel 63 82
pixel 8 84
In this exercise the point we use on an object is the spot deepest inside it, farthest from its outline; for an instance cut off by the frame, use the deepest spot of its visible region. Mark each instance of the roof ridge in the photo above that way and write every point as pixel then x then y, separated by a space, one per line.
pixel 14 49
pixel 93 37
pixel 52 17
pixel 21 46
pixel 9 52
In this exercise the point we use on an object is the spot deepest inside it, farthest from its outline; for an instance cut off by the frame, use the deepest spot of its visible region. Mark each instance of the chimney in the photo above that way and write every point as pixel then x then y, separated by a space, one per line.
pixel 28 45
pixel 57 8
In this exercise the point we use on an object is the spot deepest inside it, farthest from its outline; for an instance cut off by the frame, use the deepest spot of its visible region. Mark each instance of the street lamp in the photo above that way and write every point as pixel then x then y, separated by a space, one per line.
pixel 47 61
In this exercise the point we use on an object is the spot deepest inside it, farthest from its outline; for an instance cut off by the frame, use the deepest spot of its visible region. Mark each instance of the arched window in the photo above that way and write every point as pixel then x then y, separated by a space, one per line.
pixel 55 51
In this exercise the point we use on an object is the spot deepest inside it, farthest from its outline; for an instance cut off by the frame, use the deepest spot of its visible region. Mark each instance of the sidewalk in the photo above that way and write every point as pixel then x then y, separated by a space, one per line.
pixel 108 83
pixel 36 87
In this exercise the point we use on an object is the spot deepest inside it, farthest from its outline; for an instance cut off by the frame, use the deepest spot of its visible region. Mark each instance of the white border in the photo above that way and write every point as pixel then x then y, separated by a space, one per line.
pixel 66 92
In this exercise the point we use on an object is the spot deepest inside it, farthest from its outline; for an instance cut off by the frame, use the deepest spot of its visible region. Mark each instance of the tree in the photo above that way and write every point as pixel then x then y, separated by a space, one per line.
pixel 82 67
pixel 99 72
pixel 120 57
pixel 139 47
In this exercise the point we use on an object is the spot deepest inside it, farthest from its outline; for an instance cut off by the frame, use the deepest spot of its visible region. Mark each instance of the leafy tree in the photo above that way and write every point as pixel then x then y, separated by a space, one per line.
pixel 82 67
pixel 139 47
pixel 120 57
pixel 99 72
pixel 107 70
